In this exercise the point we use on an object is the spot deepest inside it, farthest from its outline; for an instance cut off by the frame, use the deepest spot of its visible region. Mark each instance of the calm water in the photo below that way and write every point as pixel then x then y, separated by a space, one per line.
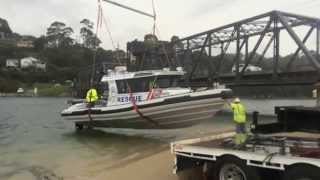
pixel 34 140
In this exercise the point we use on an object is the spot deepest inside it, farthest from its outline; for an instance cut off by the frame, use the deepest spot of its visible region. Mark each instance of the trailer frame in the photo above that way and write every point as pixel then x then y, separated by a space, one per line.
pixel 191 153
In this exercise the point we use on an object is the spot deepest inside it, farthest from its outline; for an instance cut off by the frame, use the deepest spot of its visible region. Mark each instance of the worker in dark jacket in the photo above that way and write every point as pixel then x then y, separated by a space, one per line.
pixel 239 117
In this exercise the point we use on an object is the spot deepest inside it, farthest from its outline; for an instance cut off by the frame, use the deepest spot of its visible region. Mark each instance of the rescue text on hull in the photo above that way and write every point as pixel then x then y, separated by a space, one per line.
pixel 164 106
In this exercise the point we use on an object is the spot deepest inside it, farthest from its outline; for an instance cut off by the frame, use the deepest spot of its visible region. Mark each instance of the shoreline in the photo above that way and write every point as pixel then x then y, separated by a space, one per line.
pixel 155 166
pixel 14 95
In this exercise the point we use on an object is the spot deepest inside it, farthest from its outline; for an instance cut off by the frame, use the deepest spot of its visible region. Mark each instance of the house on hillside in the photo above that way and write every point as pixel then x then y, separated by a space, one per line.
pixel 26 42
pixel 33 63
pixel 41 66
pixel 27 62
pixel 12 63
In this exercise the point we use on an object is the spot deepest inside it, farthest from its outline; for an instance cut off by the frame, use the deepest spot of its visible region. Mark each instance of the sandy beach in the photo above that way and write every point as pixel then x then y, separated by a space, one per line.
pixel 155 164
pixel 156 167
pixel 144 166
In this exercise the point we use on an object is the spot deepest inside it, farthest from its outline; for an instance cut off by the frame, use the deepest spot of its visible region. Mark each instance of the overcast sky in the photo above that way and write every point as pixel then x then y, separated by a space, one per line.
pixel 175 17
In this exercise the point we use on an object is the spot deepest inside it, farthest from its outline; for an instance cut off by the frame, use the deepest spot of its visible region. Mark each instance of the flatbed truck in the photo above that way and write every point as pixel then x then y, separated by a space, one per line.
pixel 288 149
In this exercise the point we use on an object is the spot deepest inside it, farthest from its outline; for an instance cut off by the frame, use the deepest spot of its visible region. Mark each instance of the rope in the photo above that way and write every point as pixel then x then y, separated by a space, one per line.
pixel 102 18
pixel 95 48
pixel 89 110
pixel 94 60
pixel 136 108
pixel 151 90
pixel 269 157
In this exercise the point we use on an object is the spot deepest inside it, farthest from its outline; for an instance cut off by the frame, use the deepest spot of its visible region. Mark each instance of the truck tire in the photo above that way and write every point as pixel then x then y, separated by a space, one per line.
pixel 302 172
pixel 191 174
pixel 232 168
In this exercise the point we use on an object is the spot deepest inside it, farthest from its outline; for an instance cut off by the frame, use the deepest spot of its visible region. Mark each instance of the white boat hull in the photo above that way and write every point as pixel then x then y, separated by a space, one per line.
pixel 172 113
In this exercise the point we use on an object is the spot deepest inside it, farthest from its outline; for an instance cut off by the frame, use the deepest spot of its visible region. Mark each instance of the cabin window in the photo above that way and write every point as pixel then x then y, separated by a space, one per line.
pixel 122 87
pixel 141 84
pixel 104 89
pixel 136 85
pixel 168 81
pixel 144 84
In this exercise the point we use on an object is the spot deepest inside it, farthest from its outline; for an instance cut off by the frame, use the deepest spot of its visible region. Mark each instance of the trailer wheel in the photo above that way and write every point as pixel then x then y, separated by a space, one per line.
pixel 191 174
pixel 302 172
pixel 232 168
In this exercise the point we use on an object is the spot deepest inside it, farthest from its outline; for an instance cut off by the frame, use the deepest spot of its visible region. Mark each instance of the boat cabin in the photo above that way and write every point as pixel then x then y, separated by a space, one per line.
pixel 120 86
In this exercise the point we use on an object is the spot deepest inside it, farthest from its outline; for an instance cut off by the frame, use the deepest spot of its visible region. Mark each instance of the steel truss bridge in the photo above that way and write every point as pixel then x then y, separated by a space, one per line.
pixel 247 37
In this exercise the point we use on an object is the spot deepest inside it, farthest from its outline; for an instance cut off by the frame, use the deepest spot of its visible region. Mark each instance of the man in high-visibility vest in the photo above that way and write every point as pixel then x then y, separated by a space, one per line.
pixel 92 96
pixel 239 117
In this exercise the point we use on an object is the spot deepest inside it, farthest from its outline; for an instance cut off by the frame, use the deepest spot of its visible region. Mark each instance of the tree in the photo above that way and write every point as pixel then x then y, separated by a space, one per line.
pixel 59 35
pixel 90 40
pixel 4 27
pixel 178 44
pixel 40 43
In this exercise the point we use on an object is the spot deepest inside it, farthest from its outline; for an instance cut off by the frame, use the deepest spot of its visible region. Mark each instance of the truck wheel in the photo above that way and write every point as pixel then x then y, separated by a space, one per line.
pixel 302 172
pixel 231 168
pixel 191 174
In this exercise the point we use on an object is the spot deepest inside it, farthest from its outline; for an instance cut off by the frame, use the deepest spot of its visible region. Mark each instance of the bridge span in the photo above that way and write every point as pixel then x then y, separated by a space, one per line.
pixel 268 79
pixel 250 41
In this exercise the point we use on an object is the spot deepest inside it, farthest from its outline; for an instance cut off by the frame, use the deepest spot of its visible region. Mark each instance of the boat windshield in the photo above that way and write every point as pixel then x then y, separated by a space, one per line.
pixel 146 83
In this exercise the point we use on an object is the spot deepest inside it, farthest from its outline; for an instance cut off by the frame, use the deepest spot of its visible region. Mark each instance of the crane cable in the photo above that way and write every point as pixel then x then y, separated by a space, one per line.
pixel 102 19
pixel 170 63
pixel 95 45
pixel 109 30
pixel 157 31
pixel 154 18
pixel 95 50
pixel 111 37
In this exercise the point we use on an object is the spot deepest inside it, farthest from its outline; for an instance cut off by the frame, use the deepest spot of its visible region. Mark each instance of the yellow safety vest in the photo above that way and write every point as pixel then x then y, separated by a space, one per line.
pixel 92 95
pixel 239 112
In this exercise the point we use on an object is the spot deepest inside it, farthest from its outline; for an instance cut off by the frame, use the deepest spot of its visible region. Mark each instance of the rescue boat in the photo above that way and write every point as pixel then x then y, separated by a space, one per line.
pixel 150 99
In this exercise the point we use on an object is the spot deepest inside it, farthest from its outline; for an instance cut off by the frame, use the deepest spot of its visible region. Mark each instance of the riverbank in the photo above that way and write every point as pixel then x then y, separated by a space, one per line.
pixel 41 90
pixel 144 166
pixel 157 166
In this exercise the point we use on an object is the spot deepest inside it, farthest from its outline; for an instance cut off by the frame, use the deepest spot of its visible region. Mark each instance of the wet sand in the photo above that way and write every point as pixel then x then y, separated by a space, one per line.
pixel 156 167
pixel 155 164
